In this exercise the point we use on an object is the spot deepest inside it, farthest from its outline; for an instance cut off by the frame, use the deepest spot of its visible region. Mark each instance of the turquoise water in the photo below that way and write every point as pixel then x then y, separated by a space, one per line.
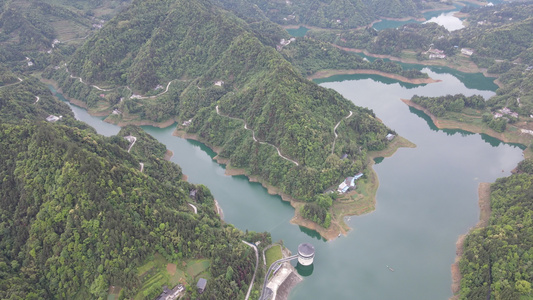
pixel 427 196
pixel 442 17
pixel 298 32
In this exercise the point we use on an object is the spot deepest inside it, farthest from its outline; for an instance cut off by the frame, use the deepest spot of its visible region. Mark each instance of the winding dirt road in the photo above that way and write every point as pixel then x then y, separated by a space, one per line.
pixel 335 131
pixel 255 140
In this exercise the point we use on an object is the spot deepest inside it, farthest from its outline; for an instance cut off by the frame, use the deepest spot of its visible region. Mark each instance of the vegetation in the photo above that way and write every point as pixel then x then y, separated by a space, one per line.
pixel 310 56
pixel 446 106
pixel 499 36
pixel 328 14
pixel 438 106
pixel 77 215
pixel 498 259
pixel 390 41
pixel 147 49
pixel 272 254
pixel 29 29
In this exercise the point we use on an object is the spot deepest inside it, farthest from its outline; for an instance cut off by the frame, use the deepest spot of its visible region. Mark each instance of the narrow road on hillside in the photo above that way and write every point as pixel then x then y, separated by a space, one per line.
pixel 94 86
pixel 154 96
pixel 253 136
pixel 335 131
pixel 194 207
pixel 255 271
pixel 132 140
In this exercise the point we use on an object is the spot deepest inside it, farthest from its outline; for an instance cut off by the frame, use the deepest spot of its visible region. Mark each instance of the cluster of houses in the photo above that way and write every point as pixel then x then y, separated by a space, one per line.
pixel 52 118
pixel 505 112
pixel 435 53
pixel 290 17
pixel 171 294
pixel 467 51
pixel 186 123
pixel 174 293
pixel 348 183
pixel 284 43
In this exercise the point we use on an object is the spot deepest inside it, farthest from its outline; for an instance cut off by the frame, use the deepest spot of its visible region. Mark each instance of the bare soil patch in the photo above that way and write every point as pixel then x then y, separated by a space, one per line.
pixel 171 269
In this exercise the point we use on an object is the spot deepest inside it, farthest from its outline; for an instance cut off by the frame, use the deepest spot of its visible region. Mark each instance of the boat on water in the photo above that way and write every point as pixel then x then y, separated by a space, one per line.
pixel 390 269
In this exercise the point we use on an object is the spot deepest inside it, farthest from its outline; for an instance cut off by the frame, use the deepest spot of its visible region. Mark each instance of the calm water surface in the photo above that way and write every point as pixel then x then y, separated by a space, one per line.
pixel 427 196
pixel 441 17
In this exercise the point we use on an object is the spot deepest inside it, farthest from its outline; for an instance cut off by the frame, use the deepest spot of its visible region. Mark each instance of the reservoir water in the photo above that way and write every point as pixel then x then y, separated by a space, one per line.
pixel 441 17
pixel 427 195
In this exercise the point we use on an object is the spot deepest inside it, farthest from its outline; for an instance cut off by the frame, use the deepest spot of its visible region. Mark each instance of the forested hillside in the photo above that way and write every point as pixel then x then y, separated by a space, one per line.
pixel 77 215
pixel 498 259
pixel 270 121
pixel 310 55
pixel 337 14
pixel 388 41
pixel 34 34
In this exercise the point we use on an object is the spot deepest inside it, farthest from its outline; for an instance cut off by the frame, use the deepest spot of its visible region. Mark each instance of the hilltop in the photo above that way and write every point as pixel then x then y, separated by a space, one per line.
pixel 272 122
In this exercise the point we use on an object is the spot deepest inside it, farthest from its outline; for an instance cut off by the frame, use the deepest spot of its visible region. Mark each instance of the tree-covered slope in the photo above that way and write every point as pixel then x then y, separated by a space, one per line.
pixel 282 109
pixel 337 14
pixel 77 215
pixel 498 259
pixel 45 32
pixel 154 43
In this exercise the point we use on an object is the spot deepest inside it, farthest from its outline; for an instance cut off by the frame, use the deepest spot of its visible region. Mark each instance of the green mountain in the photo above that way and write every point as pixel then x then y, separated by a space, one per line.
pixel 187 47
pixel 79 213
pixel 35 34
pixel 337 14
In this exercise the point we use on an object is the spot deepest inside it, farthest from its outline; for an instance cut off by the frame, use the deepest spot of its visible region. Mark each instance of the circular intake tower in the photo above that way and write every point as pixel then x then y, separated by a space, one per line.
pixel 306 253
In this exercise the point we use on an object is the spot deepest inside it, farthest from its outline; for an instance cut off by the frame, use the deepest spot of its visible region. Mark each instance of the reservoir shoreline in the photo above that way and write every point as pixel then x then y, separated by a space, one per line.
pixel 359 230
pixel 506 136
pixel 465 66
pixel 331 72
pixel 340 208
pixel 484 216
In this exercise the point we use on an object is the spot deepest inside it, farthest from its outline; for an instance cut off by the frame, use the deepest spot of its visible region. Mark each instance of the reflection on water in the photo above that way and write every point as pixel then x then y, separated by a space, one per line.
pixel 448 21
pixel 378 78
pixel 476 81
pixel 463 133
pixel 312 233
pixel 305 271
pixel 425 117
pixel 430 15
pixel 378 160
pixel 203 147
pixel 494 142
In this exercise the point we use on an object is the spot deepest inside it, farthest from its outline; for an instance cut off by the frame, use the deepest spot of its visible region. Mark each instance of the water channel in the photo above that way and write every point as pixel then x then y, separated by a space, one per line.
pixel 427 195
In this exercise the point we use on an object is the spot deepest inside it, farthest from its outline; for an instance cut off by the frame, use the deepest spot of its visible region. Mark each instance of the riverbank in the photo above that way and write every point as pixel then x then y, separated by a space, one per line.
pixel 484 216
pixel 123 123
pixel 511 135
pixel 444 7
pixel 168 155
pixel 106 111
pixel 331 72
pixel 459 63
pixel 358 202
